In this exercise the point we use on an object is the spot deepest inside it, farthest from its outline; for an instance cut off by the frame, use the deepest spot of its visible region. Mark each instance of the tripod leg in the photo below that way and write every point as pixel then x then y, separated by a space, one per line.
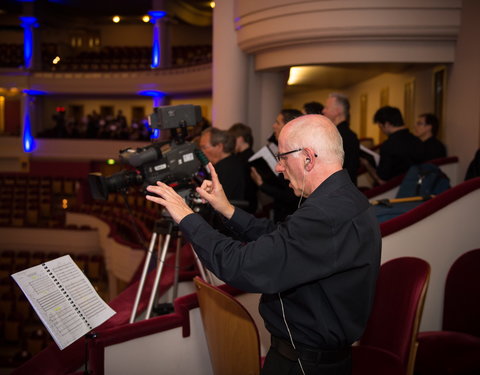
pixel 203 272
pixel 144 274
pixel 160 264
pixel 177 270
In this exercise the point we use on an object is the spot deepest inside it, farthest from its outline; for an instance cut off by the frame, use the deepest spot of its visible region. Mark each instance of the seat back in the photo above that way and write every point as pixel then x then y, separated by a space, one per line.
pixel 461 310
pixel 393 324
pixel 231 333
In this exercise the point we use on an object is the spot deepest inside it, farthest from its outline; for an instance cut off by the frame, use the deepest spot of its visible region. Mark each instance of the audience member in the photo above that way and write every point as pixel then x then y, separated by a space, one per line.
pixel 313 108
pixel 426 128
pixel 219 146
pixel 400 151
pixel 337 109
pixel 284 201
pixel 243 150
pixel 317 270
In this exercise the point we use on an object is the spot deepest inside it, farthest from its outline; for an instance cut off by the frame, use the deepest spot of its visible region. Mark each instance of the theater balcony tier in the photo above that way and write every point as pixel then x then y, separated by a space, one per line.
pixel 174 81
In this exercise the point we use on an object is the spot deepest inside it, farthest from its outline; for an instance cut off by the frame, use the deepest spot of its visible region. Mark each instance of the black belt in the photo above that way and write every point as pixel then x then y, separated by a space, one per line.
pixel 286 349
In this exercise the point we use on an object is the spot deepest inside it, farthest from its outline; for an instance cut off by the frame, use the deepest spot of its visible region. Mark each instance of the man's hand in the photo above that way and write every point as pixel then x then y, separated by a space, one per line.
pixel 212 192
pixel 167 197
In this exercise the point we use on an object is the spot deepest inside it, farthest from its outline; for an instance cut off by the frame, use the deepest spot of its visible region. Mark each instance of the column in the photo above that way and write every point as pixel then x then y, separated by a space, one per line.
pixel 229 69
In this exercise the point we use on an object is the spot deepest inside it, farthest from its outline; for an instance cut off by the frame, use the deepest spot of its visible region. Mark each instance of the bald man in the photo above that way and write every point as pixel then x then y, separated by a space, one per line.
pixel 317 270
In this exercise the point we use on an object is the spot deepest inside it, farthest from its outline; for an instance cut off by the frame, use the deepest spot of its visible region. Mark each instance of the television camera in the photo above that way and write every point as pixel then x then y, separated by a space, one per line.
pixel 177 162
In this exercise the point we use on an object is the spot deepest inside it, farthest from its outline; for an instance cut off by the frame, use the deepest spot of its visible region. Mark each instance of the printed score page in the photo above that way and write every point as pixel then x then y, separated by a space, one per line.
pixel 64 300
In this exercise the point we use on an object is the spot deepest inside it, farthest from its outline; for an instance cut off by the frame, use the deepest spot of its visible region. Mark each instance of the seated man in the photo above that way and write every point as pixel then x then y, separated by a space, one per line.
pixel 426 128
pixel 400 151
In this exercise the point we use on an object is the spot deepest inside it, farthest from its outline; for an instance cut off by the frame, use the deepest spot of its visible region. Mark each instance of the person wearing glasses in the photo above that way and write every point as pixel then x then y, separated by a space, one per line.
pixel 316 271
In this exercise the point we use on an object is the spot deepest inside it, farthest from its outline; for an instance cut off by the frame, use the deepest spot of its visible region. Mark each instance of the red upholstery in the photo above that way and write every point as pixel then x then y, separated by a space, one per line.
pixel 386 345
pixel 456 349
pixel 365 357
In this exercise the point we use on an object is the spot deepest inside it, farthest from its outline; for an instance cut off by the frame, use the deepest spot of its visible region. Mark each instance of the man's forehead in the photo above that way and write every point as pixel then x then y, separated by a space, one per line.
pixel 205 138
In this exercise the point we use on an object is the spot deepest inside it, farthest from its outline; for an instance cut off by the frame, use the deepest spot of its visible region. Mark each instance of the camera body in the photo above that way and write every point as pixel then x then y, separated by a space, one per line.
pixel 176 163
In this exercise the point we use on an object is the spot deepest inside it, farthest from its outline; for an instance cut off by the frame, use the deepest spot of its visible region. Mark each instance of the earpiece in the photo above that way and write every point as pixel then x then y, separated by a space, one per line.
pixel 307 161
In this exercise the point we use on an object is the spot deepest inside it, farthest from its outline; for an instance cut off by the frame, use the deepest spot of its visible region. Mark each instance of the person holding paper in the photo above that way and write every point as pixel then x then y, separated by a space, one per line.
pixel 317 270
pixel 284 201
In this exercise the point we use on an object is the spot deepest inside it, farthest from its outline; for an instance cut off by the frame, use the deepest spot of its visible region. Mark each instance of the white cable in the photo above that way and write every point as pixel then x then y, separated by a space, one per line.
pixel 289 333
pixel 303 190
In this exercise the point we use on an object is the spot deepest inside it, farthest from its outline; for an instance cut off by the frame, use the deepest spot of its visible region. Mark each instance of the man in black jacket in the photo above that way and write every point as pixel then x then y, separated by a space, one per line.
pixel 400 151
pixel 337 109
pixel 317 270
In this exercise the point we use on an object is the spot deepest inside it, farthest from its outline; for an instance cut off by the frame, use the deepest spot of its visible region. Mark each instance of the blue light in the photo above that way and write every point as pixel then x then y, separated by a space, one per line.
pixel 156 14
pixel 28 141
pixel 153 93
pixel 155 134
pixel 34 92
pixel 28 23
pixel 155 51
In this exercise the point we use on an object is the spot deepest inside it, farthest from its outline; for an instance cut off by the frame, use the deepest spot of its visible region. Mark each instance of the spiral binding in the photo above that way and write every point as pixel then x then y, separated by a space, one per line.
pixel 67 296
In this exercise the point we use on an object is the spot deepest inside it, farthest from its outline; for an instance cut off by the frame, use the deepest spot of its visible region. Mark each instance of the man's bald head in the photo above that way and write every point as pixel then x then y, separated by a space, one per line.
pixel 316 132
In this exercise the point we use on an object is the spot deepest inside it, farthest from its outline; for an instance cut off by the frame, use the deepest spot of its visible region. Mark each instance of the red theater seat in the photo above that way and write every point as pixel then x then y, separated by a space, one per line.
pixel 389 343
pixel 456 349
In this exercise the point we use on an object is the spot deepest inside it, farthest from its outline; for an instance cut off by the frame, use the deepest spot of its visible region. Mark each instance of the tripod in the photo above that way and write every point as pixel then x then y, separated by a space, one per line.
pixel 165 228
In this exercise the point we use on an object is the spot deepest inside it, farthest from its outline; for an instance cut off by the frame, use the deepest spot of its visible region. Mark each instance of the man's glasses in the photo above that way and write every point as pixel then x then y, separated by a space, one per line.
pixel 283 155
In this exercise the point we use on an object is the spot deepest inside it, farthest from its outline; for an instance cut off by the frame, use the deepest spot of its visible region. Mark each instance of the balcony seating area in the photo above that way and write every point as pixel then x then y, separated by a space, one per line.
pixel 104 59
pixel 29 201
pixel 11 55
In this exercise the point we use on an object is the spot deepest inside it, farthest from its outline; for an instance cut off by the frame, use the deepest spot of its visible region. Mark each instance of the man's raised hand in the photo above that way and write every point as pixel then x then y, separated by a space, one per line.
pixel 212 192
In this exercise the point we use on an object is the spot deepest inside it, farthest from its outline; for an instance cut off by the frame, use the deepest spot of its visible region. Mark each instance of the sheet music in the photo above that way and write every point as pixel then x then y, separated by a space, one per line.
pixel 64 299
pixel 376 157
pixel 268 153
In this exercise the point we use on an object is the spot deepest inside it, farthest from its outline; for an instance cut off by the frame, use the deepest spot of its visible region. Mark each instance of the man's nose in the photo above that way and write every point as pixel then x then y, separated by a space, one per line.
pixel 279 167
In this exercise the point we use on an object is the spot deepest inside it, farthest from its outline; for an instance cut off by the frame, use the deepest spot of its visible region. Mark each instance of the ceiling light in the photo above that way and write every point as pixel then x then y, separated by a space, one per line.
pixel 116 19
pixel 56 60
pixel 146 19
pixel 295 75
pixel 212 4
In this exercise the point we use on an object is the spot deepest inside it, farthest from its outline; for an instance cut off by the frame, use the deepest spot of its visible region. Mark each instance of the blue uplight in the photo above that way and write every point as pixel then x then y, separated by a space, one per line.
pixel 156 51
pixel 28 23
pixel 155 134
pixel 34 92
pixel 156 14
pixel 153 93
pixel 28 140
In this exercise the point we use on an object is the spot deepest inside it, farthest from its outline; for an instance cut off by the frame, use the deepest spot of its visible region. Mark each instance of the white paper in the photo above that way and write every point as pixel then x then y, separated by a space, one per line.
pixel 376 157
pixel 64 299
pixel 267 152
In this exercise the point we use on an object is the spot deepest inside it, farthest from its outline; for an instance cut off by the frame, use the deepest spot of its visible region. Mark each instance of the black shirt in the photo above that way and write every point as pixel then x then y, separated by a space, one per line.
pixel 250 186
pixel 398 153
pixel 324 260
pixel 433 149
pixel 351 147
pixel 231 174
